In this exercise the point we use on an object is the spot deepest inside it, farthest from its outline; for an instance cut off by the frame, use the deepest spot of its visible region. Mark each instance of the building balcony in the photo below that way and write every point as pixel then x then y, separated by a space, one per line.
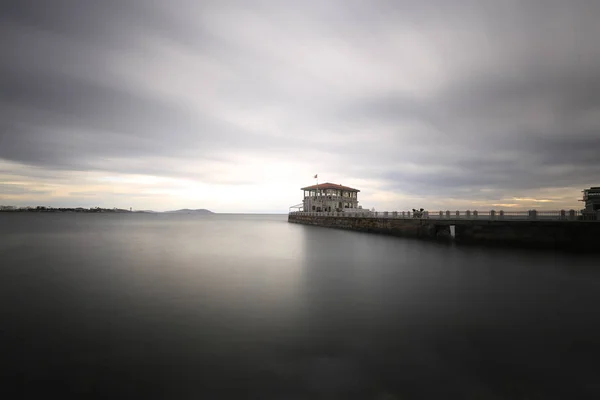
pixel 331 198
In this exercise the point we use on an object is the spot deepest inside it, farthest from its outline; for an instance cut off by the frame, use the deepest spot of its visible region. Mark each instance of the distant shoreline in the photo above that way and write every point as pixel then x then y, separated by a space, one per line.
pixel 41 209
pixel 66 210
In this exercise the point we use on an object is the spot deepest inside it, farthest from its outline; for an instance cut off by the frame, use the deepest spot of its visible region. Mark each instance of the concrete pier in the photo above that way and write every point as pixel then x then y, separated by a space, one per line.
pixel 566 234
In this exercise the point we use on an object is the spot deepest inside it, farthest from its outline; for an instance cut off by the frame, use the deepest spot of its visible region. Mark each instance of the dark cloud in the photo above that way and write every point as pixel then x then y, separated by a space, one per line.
pixel 424 97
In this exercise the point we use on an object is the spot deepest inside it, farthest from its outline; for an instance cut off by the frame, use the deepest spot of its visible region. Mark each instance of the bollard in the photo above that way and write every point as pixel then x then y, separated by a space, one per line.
pixel 441 214
pixel 563 214
pixel 501 214
pixel 493 214
pixel 385 214
pixel 572 215
pixel 448 214
pixel 395 214
pixel 468 214
pixel 532 214
pixel 475 214
pixel 458 214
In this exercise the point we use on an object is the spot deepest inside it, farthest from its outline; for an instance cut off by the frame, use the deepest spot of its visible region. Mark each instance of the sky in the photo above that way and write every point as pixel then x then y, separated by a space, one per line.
pixel 234 106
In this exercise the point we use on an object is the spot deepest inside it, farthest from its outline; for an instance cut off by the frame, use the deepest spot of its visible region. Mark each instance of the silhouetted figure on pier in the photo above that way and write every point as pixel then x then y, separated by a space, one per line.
pixel 418 213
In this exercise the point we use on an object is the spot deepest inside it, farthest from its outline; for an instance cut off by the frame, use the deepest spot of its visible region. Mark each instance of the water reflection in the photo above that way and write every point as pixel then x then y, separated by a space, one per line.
pixel 480 322
pixel 242 306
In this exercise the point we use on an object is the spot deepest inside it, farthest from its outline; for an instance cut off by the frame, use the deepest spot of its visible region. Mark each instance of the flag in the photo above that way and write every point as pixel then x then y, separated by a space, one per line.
pixel 316 175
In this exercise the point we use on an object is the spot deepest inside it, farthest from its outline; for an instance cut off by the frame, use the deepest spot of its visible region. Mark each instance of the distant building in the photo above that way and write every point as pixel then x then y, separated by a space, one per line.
pixel 591 198
pixel 325 197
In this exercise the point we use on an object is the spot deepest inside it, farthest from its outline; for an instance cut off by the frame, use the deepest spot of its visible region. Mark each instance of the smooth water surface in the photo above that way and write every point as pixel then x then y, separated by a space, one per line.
pixel 252 307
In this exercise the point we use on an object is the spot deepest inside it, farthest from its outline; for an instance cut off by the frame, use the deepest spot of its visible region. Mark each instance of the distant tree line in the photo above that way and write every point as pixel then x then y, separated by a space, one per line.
pixel 62 209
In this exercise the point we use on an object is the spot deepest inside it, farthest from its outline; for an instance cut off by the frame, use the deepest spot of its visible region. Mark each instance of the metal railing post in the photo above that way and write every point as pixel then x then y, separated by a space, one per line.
pixel 493 214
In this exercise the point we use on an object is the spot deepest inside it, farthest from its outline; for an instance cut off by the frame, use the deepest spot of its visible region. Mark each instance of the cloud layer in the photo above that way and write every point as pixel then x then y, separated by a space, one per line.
pixel 215 104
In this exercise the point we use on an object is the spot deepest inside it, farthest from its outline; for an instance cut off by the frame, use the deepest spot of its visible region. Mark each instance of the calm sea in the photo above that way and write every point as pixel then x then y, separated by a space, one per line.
pixel 251 307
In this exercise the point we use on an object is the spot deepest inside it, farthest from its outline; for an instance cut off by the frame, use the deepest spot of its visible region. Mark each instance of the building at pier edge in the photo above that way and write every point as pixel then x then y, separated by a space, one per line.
pixel 327 197
pixel 591 199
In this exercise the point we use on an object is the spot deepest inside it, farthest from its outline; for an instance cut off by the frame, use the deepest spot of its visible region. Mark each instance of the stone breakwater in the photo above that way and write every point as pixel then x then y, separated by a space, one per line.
pixel 562 235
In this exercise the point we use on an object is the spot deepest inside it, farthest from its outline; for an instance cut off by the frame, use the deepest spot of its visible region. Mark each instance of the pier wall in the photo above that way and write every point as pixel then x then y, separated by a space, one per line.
pixel 568 235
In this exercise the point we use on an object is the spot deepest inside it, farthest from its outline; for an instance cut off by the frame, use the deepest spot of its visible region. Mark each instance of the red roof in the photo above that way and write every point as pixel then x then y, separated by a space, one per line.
pixel 328 185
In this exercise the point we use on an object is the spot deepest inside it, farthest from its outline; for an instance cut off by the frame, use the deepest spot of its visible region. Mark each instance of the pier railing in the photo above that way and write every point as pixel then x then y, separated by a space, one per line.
pixel 560 215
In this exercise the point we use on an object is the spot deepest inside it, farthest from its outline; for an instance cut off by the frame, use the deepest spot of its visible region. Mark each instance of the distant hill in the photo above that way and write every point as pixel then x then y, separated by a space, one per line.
pixel 189 211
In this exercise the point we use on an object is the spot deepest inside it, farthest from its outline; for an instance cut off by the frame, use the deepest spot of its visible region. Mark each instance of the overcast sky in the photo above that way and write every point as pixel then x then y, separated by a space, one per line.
pixel 235 105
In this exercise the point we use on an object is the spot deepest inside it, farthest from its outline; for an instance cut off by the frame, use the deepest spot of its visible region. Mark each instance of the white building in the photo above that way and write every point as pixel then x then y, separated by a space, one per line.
pixel 325 197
